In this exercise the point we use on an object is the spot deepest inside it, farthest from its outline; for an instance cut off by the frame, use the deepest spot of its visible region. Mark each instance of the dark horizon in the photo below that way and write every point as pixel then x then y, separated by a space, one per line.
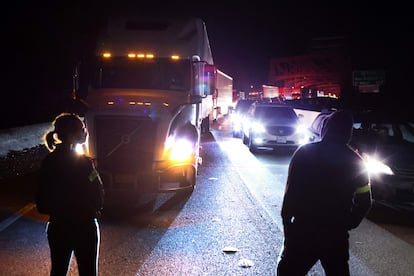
pixel 43 42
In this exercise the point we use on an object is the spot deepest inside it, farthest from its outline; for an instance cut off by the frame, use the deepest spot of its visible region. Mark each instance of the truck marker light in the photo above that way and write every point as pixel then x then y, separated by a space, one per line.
pixel 140 56
pixel 149 55
pixel 165 104
pixel 110 103
pixel 175 57
pixel 106 55
pixel 132 55
pixel 131 103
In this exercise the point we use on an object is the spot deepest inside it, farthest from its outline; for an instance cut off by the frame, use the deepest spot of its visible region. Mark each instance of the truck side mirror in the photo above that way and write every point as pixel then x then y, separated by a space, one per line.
pixel 210 75
pixel 205 79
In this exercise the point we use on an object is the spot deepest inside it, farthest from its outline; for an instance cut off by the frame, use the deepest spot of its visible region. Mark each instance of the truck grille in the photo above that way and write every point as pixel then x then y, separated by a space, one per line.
pixel 125 144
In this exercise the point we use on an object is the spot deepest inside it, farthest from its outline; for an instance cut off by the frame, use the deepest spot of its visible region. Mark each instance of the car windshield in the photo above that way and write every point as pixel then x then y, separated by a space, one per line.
pixel 275 113
pixel 155 74
pixel 243 105
pixel 386 133
pixel 383 129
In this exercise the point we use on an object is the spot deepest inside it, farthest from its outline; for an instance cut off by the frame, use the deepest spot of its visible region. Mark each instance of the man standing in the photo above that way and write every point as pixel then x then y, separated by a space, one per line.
pixel 327 194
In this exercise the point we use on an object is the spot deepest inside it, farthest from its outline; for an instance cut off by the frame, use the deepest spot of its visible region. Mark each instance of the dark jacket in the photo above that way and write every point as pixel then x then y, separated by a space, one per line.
pixel 327 190
pixel 69 187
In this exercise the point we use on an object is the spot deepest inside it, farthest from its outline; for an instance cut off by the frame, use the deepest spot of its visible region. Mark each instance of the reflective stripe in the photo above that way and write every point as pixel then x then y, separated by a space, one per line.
pixel 363 189
pixel 92 176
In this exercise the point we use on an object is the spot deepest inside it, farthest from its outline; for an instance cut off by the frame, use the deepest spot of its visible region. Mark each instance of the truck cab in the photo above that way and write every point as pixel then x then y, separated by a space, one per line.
pixel 149 91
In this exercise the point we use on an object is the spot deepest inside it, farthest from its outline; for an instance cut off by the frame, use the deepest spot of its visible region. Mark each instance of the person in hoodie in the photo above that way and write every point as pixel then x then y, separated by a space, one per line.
pixel 70 191
pixel 327 194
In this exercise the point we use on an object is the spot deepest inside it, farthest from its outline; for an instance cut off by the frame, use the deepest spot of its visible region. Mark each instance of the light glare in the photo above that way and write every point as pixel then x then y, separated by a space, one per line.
pixel 375 166
pixel 181 151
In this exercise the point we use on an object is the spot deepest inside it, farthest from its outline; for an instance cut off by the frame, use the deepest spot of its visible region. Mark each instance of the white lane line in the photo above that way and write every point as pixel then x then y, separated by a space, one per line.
pixel 10 220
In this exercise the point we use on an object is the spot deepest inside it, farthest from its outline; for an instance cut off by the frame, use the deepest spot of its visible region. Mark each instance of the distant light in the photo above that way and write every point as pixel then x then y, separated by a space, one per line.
pixel 175 57
pixel 110 102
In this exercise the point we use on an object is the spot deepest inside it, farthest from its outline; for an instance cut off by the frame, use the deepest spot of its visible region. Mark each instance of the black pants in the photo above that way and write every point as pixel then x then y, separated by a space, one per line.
pixel 81 239
pixel 300 254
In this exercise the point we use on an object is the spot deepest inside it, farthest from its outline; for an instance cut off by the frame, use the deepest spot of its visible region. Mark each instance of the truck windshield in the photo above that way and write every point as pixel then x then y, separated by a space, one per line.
pixel 162 73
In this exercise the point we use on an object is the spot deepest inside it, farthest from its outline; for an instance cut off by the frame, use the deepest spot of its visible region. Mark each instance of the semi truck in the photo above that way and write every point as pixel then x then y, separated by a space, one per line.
pixel 149 92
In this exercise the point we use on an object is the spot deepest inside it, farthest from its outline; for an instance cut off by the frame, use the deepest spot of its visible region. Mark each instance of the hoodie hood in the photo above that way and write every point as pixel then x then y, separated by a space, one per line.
pixel 338 127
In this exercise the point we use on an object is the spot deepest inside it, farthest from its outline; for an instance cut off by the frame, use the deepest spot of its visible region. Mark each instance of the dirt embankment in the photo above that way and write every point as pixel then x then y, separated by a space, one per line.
pixel 22 150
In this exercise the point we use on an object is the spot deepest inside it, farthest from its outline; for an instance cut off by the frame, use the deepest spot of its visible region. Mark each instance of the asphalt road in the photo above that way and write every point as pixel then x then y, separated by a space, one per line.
pixel 235 205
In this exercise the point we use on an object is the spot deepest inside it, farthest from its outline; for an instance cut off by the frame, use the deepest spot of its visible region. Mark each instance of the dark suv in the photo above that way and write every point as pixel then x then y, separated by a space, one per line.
pixel 269 125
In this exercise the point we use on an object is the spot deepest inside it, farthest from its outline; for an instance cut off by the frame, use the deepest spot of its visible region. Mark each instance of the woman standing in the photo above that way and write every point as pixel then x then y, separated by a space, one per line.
pixel 70 191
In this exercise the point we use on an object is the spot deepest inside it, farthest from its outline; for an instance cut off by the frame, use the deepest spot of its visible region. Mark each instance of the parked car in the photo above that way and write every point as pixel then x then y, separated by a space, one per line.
pixel 385 140
pixel 269 125
pixel 237 116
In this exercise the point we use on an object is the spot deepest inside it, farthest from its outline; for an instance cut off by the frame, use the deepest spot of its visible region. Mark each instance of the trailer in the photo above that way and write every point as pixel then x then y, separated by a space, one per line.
pixel 224 94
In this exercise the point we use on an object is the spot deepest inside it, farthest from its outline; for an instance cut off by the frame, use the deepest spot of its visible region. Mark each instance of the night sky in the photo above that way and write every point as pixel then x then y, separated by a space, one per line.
pixel 43 40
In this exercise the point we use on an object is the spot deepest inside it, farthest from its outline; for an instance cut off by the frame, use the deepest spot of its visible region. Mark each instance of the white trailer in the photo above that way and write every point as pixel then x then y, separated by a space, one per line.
pixel 224 94
pixel 270 91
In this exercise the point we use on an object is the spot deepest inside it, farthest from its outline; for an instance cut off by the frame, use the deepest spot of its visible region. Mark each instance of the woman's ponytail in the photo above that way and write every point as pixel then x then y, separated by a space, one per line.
pixel 50 140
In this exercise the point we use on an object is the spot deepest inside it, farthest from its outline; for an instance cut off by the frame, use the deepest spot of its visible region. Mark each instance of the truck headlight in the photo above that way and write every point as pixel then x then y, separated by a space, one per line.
pixel 82 149
pixel 181 150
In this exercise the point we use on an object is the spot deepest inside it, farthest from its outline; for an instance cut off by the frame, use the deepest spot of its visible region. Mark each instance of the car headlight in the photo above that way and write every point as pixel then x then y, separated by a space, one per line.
pixel 258 128
pixel 375 166
pixel 236 120
pixel 300 128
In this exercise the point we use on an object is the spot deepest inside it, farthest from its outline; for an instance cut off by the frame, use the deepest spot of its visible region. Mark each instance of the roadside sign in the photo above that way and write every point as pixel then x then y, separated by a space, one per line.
pixel 368 77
